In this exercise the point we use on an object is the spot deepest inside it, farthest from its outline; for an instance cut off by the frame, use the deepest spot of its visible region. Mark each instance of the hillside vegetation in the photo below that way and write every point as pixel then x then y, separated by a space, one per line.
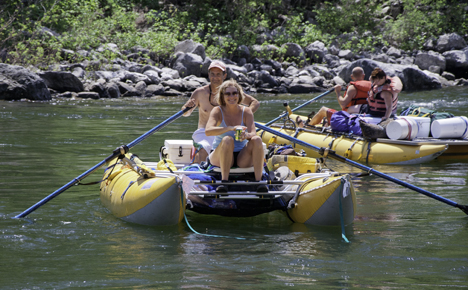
pixel 39 32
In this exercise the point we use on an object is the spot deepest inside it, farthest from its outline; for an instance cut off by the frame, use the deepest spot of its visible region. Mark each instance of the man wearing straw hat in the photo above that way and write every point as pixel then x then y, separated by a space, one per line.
pixel 204 99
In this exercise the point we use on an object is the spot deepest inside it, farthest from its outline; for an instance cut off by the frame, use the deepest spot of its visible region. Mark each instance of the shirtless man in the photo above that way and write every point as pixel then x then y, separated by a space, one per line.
pixel 203 98
pixel 351 101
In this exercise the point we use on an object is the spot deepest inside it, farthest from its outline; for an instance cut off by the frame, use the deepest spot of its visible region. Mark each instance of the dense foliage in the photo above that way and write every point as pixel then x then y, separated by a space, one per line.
pixel 37 31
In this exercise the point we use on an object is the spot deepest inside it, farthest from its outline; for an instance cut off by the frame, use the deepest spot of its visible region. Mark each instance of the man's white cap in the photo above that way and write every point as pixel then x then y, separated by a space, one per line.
pixel 219 64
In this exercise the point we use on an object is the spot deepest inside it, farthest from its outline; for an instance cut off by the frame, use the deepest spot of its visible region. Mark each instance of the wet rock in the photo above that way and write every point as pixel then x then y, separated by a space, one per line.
pixel 448 76
pixel 135 77
pixel 296 88
pixel 88 95
pixel 457 62
pixel 62 81
pixel 113 90
pixel 18 83
pixel 99 87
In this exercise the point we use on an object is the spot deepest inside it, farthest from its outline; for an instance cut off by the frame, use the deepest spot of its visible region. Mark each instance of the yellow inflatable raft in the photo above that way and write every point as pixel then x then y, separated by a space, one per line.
pixel 144 194
pixel 355 148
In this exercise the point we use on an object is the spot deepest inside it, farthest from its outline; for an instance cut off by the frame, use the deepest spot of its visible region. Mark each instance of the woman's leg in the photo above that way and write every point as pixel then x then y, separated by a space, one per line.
pixel 252 154
pixel 222 156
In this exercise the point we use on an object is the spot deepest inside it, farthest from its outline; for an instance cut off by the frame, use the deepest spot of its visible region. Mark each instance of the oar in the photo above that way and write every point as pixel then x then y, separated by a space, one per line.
pixel 117 152
pixel 326 152
pixel 303 105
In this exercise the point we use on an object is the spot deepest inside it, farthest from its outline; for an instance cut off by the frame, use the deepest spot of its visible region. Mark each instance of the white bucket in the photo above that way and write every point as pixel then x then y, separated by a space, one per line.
pixel 456 127
pixel 424 125
pixel 402 129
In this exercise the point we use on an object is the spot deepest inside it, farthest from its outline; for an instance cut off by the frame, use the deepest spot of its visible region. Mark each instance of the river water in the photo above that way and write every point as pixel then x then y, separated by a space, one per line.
pixel 399 239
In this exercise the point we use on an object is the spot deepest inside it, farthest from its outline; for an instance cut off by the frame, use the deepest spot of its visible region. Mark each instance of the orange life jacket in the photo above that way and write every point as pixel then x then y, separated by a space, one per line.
pixel 362 88
pixel 377 103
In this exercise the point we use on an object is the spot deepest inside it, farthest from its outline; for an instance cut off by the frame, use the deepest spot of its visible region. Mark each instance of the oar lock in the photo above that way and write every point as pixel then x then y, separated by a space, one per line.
pixel 122 150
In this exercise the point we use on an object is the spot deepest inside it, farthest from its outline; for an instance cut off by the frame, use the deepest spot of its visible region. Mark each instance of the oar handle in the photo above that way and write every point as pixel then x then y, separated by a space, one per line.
pixel 332 154
pixel 117 152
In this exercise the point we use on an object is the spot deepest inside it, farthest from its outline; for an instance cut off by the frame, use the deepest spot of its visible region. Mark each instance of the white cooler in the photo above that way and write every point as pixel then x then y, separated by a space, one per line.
pixel 178 151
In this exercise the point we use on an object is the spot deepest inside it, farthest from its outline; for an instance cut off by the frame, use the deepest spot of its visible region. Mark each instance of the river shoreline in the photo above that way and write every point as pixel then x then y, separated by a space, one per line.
pixel 315 68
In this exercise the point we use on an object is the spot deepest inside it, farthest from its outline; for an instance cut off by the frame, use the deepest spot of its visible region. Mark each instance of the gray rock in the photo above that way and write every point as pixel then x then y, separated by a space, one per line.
pixel 174 84
pixel 99 88
pixel 62 81
pixel 293 52
pixel 18 83
pixel 127 90
pixel 88 95
pixel 153 76
pixel 113 90
pixel 448 76
pixel 339 81
pixel 141 87
pixel 312 72
pixel 382 57
pixel 172 93
pixel 242 52
pixel 189 46
pixel 79 72
pixel 332 60
pixel 205 65
pixel 107 75
pixel 266 77
pixel 425 59
pixel 291 71
pixel 346 54
pixel 170 72
pixel 190 85
pixel 394 52
pixel 304 89
pixel 135 77
pixel 333 50
pixel 153 68
pixel 188 64
pixel 435 69
pixel 154 90
pixel 323 71
pixel 450 41
pixel 316 51
pixel 407 60
pixel 457 62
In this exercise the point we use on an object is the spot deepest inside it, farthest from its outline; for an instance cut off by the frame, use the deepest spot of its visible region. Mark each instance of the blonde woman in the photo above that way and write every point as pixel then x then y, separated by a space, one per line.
pixel 228 152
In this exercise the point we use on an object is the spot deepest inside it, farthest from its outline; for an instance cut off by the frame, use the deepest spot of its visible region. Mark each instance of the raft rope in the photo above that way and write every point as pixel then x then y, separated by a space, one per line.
pixel 206 235
pixel 344 182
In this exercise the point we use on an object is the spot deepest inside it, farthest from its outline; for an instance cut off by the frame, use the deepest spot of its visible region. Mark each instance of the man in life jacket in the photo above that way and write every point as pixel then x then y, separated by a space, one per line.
pixel 383 96
pixel 354 96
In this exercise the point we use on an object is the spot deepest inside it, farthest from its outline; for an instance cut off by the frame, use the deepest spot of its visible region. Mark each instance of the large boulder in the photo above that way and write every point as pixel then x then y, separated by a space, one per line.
pixel 450 41
pixel 425 59
pixel 316 51
pixel 293 52
pixel 189 46
pixel 62 81
pixel 411 76
pixel 457 62
pixel 18 83
pixel 188 64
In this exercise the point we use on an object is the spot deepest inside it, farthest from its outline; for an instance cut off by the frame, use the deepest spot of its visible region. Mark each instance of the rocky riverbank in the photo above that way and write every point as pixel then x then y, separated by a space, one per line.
pixel 315 68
